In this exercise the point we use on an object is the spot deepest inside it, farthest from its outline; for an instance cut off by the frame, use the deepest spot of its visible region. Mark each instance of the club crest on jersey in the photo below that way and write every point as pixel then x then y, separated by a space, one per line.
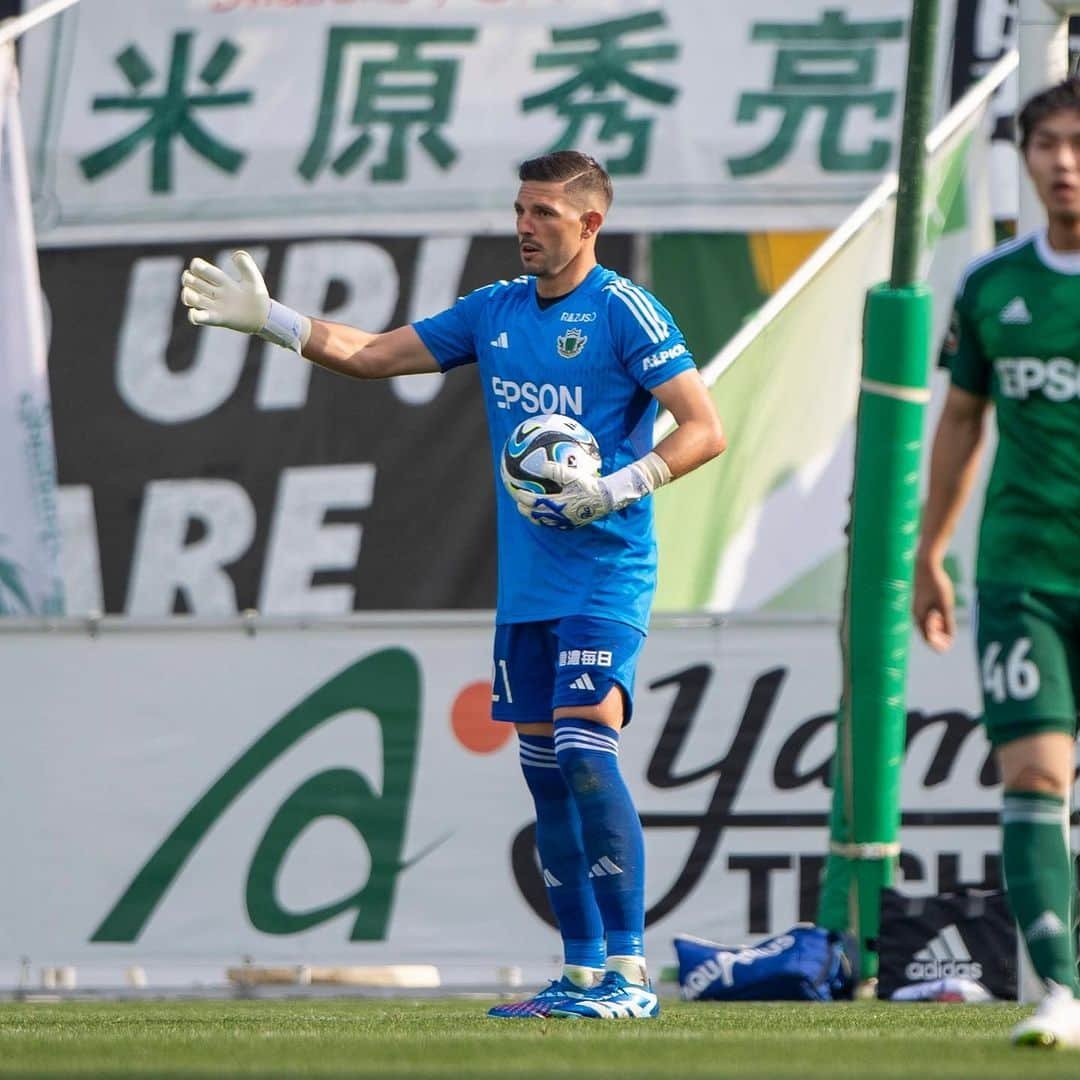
pixel 571 343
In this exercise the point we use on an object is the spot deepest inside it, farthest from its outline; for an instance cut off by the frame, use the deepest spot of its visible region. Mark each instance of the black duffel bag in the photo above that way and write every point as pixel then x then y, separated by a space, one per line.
pixel 968 934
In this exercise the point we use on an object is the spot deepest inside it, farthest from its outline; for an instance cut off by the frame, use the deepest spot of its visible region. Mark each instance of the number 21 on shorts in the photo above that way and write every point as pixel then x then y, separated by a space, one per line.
pixel 1009 675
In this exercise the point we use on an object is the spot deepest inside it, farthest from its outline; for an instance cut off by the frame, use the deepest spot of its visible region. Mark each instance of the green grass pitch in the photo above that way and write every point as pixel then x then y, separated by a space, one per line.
pixel 453 1038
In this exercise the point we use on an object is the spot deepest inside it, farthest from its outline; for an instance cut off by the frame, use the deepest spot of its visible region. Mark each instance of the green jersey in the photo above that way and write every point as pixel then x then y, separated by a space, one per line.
pixel 1015 338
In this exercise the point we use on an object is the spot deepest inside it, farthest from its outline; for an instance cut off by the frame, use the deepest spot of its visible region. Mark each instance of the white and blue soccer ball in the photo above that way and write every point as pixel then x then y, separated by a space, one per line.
pixel 541 439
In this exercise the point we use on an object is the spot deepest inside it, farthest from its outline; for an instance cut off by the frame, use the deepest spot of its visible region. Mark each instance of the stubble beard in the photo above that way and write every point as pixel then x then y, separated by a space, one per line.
pixel 538 270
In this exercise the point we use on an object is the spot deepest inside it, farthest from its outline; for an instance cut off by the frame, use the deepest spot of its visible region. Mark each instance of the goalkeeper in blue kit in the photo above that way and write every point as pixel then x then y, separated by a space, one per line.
pixel 572 337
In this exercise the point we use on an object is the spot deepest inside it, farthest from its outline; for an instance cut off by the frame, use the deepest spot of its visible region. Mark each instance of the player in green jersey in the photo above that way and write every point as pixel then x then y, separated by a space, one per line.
pixel 1014 343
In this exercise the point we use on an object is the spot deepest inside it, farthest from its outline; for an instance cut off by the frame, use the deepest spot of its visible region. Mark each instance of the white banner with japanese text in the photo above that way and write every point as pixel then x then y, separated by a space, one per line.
pixel 192 792
pixel 29 532
pixel 196 118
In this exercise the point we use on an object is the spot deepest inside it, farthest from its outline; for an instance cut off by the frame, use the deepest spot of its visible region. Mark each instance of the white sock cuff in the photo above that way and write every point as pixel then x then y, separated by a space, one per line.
pixel 595 737
pixel 537 757
pixel 632 968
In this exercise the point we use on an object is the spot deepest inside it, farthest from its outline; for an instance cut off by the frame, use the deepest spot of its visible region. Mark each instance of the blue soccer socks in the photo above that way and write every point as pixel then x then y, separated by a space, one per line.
pixel 592 851
pixel 562 856
pixel 614 845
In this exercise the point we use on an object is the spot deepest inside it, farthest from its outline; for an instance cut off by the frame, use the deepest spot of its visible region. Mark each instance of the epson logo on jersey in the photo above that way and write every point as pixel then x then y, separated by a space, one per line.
pixel 578 316
pixel 545 398
pixel 662 357
pixel 1058 378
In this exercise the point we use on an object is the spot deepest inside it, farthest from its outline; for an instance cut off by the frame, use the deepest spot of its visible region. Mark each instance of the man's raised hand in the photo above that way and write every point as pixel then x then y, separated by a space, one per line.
pixel 213 298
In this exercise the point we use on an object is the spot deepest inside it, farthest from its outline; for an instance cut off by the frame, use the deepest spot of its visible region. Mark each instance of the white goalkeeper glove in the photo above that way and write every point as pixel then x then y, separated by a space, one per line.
pixel 585 499
pixel 215 299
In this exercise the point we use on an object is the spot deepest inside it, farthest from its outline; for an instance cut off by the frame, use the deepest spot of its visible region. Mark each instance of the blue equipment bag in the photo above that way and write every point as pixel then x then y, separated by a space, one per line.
pixel 807 963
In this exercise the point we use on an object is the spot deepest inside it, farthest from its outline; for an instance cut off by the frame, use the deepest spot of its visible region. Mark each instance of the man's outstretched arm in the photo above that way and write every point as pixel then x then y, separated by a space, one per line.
pixel 244 304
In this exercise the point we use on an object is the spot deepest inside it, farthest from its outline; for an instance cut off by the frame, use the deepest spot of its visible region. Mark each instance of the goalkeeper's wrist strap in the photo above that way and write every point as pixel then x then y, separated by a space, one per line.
pixel 285 327
pixel 636 480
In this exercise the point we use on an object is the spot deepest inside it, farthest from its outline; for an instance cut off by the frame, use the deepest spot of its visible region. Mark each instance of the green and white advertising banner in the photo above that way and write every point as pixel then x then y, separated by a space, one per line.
pixel 771 512
pixel 187 794
pixel 197 118
pixel 29 533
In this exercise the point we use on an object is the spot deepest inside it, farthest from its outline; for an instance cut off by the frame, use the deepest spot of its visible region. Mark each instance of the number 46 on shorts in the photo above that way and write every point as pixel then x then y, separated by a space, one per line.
pixel 1029 657
pixel 1010 675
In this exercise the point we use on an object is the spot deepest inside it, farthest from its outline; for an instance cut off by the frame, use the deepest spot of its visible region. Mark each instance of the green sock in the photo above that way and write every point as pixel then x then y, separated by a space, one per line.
pixel 1039 879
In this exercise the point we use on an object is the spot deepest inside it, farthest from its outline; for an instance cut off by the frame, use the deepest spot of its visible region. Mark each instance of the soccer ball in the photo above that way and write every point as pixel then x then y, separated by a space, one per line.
pixel 546 438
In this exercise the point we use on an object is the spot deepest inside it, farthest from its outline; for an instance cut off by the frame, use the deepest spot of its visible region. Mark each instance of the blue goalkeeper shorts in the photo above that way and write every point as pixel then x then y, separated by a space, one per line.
pixel 560 663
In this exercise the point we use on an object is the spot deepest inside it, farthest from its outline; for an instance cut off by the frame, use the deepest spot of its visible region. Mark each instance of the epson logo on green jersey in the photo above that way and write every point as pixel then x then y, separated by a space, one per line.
pixel 1057 378
pixel 545 398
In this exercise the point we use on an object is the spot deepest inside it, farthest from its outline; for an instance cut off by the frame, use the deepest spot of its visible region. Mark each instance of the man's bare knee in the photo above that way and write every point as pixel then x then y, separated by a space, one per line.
pixel 1035 778
pixel 1041 763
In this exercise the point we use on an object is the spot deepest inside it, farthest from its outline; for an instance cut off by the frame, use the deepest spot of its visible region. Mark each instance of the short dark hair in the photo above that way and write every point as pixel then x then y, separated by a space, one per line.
pixel 582 174
pixel 1062 96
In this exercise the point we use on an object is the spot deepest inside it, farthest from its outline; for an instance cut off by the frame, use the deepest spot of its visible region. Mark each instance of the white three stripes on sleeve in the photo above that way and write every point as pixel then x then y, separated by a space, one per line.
pixel 641 307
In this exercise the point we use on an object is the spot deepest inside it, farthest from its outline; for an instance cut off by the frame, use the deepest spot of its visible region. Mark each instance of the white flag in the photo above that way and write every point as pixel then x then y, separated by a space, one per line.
pixel 29 534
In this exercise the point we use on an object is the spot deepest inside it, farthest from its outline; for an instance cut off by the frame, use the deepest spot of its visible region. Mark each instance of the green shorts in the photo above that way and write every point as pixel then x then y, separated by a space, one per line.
pixel 1029 661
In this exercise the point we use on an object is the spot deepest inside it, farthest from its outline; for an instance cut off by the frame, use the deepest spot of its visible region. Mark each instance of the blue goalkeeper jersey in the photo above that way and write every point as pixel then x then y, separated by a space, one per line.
pixel 593 355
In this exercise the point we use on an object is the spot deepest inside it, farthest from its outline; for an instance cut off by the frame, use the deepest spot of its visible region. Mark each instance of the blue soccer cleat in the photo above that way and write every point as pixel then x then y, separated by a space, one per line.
pixel 615 998
pixel 539 1006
